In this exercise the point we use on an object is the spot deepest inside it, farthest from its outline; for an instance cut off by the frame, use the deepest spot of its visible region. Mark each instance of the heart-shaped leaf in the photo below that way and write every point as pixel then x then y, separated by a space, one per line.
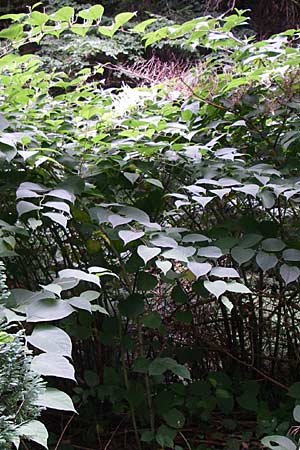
pixel 199 269
pixel 147 253
pixel 289 273
pixel 164 266
pixel 266 261
pixel 216 288
pixel 129 236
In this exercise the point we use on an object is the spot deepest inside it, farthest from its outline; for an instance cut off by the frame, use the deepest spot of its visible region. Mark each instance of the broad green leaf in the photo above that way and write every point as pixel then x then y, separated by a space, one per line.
pixel 210 252
pixel 51 339
pixel 132 306
pixel 79 275
pixel 140 28
pixel 147 253
pixel 224 272
pixel 129 236
pixel 199 269
pixel 55 399
pixel 164 241
pixel 160 365
pixel 24 207
pixel 62 194
pixel 179 253
pixel 152 320
pixel 273 245
pixel 278 443
pixel 45 310
pixel 242 255
pixel 146 281
pixel 117 220
pixel 95 12
pixel 80 303
pixel 61 219
pixel 291 254
pixel 289 273
pixel 63 14
pixel 131 176
pixel 216 288
pixel 296 413
pixel 164 266
pixel 266 261
pixel 294 390
pixel 38 18
pixel 165 436
pixel 155 182
pixel 61 206
pixel 174 418
pixel 238 288
pixel 52 365
pixel 34 431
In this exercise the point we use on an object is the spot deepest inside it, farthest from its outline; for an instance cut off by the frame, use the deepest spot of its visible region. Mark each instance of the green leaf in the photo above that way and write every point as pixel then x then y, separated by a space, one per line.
pixel 95 12
pixel 52 365
pixel 294 390
pixel 210 252
pixel 34 431
pixel 238 288
pixel 79 275
pixel 140 28
pixel 55 399
pixel 174 418
pixel 24 207
pixel 132 306
pixel 289 273
pixel 165 436
pixel 273 245
pixel 123 18
pixel 164 266
pixel 45 310
pixel 199 269
pixel 5 337
pixel 38 18
pixel 51 339
pixel 152 320
pixel 266 261
pixel 129 236
pixel 147 253
pixel 154 182
pixel 147 436
pixel 63 14
pixel 181 371
pixel 160 365
pixel 57 218
pixel 179 253
pixel 281 443
pixel 216 288
pixel 146 281
pixel 291 254
pixel 119 21
pixel 296 413
pixel 242 255
pixel 224 272
pixel 141 365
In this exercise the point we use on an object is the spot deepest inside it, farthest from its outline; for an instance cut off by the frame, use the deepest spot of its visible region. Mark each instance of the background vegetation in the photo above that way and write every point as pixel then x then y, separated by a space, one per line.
pixel 150 229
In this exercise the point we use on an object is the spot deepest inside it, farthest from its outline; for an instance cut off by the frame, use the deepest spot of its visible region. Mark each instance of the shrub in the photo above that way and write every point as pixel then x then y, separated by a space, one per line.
pixel 20 387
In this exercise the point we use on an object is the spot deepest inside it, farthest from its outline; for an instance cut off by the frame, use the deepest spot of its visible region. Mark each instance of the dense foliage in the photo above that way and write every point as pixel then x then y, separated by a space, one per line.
pixel 158 229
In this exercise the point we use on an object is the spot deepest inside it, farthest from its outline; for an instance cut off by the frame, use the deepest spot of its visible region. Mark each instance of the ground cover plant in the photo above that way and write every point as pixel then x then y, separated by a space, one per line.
pixel 151 235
